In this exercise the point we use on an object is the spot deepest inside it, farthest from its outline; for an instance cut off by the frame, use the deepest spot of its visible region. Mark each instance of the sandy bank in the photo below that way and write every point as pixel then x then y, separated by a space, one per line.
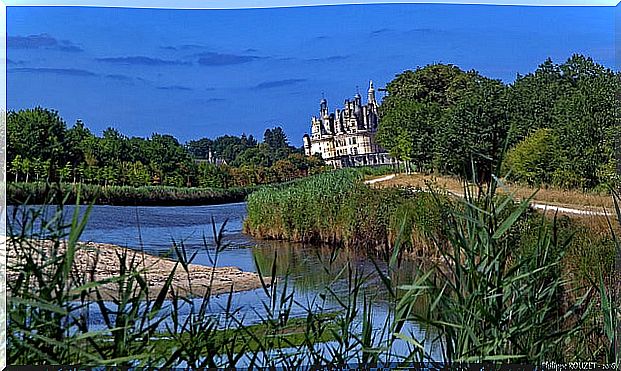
pixel 98 261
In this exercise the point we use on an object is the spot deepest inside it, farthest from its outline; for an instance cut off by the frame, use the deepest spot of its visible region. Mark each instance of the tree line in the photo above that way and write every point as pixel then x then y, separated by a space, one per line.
pixel 559 124
pixel 40 147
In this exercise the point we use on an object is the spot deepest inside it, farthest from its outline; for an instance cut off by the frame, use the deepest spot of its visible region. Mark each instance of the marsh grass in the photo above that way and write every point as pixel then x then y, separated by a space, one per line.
pixel 489 297
pixel 58 317
pixel 39 193
pixel 501 282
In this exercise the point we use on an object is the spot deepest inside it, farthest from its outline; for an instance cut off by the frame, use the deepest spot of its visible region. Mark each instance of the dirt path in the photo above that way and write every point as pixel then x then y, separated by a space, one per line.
pixel 98 261
pixel 537 205
pixel 377 180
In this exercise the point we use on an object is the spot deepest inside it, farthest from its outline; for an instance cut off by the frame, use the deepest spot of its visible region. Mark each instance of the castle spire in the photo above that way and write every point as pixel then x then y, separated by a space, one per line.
pixel 371 93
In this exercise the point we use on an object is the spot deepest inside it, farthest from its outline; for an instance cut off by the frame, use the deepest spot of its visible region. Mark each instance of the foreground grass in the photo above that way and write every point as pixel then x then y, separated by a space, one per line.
pixel 498 291
pixel 49 312
pixel 496 236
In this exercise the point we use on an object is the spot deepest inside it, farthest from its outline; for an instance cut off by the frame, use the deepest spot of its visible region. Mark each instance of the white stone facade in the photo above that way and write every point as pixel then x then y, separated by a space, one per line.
pixel 347 137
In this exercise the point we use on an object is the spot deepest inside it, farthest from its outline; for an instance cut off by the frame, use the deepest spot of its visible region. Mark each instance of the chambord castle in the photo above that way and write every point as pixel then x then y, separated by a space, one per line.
pixel 347 137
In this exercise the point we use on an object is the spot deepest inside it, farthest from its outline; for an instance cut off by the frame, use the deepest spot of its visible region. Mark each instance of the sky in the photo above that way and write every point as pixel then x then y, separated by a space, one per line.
pixel 205 73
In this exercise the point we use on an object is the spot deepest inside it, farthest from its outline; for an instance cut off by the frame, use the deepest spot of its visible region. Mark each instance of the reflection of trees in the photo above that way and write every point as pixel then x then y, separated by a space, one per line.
pixel 313 268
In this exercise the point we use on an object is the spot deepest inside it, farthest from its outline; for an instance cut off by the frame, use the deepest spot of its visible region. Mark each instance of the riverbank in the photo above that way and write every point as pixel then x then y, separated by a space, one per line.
pixel 339 209
pixel 479 245
pixel 100 261
pixel 42 193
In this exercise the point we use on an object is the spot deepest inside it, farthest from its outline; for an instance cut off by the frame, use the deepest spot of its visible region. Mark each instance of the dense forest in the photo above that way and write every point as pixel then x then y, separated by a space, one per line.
pixel 559 123
pixel 42 148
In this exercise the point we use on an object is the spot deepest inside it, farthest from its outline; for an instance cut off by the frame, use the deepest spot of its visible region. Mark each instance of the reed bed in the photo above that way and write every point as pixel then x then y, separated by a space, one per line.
pixel 334 208
pixel 492 297
pixel 559 267
pixel 38 193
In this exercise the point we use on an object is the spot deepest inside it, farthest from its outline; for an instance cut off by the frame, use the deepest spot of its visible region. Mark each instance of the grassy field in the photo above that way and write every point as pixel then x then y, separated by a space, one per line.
pixel 548 195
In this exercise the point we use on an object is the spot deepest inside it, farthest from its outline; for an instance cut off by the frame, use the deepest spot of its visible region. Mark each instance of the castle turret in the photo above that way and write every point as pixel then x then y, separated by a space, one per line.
pixel 371 94
pixel 323 108
pixel 307 144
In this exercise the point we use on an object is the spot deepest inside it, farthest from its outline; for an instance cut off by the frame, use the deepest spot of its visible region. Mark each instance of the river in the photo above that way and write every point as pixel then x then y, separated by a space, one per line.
pixel 310 272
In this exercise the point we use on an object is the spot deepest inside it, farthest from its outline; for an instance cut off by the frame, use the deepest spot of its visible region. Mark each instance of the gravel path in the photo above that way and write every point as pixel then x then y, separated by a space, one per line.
pixel 536 205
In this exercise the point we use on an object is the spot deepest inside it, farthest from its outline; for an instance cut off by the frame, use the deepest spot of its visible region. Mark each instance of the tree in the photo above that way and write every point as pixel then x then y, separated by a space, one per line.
pixel 34 133
pixel 260 155
pixel 78 140
pixel 474 131
pixel 408 132
pixel 276 138
pixel 16 166
pixel 113 147
pixel 531 100
pixel 534 159
pixel 285 170
pixel 65 171
pixel 200 148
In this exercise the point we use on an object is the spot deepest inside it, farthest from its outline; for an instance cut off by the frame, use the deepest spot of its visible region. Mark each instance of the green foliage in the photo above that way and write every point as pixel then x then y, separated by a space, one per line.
pixel 491 302
pixel 35 133
pixel 534 160
pixel 474 131
pixel 443 119
pixel 575 100
pixel 408 131
pixel 37 193
pixel 41 149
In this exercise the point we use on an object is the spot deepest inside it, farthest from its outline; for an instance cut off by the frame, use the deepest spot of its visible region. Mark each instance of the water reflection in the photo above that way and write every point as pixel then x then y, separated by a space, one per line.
pixel 317 274
pixel 313 268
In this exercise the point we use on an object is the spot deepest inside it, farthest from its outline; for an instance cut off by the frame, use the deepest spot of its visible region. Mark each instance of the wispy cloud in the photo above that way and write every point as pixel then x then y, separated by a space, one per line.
pixel 70 48
pixel 41 41
pixel 118 77
pixel 14 63
pixel 142 61
pixel 174 87
pixel 332 58
pixel 214 100
pixel 380 31
pixel 219 59
pixel 426 31
pixel 56 71
pixel 278 83
pixel 183 47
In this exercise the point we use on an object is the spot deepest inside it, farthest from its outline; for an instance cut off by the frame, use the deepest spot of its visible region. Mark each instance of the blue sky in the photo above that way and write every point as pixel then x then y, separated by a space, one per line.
pixel 197 73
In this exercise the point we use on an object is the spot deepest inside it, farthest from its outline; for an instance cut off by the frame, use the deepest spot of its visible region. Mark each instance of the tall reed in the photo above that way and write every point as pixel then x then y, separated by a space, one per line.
pixel 58 315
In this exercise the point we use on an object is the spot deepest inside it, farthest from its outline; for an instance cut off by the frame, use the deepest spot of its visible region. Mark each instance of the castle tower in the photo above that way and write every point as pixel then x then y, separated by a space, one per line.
pixel 371 94
pixel 323 108
pixel 307 145
pixel 357 98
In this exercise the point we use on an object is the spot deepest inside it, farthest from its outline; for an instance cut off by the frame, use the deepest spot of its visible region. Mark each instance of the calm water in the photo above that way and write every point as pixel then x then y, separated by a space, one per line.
pixel 156 228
